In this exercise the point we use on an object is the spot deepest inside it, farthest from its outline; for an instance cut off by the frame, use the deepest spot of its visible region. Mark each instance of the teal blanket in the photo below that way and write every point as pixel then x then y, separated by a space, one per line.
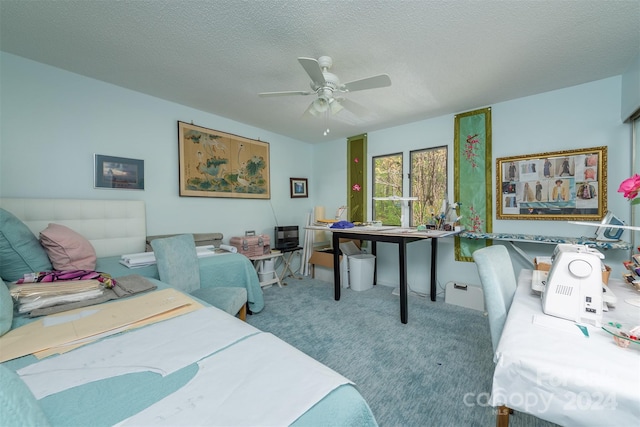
pixel 109 401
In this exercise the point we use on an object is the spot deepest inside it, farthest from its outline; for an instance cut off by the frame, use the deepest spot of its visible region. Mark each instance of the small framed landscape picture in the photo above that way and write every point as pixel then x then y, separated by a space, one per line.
pixel 298 187
pixel 118 172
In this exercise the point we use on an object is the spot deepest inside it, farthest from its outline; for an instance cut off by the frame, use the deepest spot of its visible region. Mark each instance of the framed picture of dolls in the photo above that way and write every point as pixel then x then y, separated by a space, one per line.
pixel 559 185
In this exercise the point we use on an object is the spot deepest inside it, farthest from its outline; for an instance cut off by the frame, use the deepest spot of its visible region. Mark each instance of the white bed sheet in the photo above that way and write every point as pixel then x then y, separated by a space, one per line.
pixel 260 380
pixel 181 344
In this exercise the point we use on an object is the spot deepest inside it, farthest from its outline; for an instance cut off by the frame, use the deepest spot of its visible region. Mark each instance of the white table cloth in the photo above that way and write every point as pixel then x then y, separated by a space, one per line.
pixel 547 367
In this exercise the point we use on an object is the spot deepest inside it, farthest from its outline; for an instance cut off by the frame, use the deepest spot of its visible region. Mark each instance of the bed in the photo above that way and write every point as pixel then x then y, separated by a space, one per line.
pixel 204 367
pixel 118 227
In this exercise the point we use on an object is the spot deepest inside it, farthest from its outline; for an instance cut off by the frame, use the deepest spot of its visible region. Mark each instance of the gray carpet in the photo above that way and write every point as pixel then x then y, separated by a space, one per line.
pixel 434 371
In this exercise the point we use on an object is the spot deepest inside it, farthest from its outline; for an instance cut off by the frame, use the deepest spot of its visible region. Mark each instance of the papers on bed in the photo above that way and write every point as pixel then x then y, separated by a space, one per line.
pixel 163 348
pixel 144 259
pixel 238 385
pixel 37 336
pixel 238 366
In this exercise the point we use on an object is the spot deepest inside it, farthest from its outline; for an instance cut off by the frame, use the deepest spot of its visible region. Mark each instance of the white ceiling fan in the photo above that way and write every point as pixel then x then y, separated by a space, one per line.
pixel 326 85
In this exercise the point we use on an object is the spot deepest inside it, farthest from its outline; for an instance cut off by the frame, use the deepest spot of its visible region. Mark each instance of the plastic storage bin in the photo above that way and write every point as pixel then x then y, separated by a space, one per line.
pixel 348 250
pixel 266 270
pixel 361 269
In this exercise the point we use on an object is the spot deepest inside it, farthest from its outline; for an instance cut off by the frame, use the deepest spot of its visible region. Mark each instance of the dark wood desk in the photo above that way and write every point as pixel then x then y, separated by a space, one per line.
pixel 388 235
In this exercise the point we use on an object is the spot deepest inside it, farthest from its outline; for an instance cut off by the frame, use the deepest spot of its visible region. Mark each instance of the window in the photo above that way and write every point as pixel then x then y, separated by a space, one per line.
pixel 387 181
pixel 428 182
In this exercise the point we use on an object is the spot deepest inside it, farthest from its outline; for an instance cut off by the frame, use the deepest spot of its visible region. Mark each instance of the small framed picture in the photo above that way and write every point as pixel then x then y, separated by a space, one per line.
pixel 118 172
pixel 298 187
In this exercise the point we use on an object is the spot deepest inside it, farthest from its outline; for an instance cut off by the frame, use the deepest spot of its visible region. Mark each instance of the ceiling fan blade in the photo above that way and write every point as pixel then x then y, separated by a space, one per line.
pixel 382 80
pixel 354 107
pixel 285 93
pixel 312 67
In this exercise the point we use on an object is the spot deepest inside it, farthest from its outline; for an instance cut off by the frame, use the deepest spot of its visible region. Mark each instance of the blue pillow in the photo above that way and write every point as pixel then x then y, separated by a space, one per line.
pixel 20 250
pixel 18 406
pixel 178 262
pixel 6 309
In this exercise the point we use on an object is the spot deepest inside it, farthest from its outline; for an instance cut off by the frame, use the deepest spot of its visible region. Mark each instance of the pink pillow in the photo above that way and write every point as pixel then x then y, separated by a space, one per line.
pixel 67 249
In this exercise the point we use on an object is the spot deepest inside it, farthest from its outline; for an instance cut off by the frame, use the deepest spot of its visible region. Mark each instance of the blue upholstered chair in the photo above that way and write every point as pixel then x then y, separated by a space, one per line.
pixel 498 285
pixel 178 266
pixel 232 300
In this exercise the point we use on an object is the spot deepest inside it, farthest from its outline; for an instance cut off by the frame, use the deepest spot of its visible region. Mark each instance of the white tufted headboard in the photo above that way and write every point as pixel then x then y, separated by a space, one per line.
pixel 114 227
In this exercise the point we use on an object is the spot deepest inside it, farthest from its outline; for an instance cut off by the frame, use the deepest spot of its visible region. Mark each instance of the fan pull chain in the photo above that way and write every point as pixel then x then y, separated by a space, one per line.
pixel 326 122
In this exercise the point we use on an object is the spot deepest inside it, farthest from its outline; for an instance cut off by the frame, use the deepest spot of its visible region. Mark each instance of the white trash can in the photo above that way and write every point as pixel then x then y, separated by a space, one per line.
pixel 348 250
pixel 361 269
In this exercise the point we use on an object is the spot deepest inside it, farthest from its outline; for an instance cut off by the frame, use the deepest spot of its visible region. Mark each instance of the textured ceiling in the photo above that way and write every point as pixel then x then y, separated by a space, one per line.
pixel 443 57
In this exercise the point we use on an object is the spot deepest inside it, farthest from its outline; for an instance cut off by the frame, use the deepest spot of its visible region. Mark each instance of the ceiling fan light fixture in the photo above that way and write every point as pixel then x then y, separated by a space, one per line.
pixel 325 85
pixel 335 106
pixel 321 104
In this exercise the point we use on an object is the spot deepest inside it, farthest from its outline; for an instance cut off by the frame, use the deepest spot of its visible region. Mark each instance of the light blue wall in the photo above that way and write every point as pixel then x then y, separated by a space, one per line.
pixel 631 90
pixel 53 121
pixel 577 117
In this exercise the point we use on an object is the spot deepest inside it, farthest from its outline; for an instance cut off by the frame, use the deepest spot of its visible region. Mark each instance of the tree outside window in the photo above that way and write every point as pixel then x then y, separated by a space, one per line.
pixel 428 182
pixel 387 182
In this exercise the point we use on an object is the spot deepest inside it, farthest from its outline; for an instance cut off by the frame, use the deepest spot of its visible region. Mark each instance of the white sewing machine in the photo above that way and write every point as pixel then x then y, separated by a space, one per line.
pixel 574 288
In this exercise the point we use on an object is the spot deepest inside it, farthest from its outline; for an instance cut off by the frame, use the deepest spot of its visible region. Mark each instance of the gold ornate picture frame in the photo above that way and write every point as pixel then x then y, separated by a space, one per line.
pixel 219 164
pixel 558 185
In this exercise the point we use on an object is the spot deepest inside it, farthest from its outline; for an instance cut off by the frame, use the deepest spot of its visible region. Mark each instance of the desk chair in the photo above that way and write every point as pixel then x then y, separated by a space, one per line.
pixel 499 285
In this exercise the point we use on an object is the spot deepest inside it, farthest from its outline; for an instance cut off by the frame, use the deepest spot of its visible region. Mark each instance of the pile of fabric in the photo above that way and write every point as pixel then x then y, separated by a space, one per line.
pixel 48 292
pixel 33 296
pixel 50 288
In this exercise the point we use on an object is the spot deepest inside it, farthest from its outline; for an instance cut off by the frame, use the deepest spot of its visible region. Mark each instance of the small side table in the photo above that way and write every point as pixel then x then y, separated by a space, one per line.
pixel 286 270
pixel 258 262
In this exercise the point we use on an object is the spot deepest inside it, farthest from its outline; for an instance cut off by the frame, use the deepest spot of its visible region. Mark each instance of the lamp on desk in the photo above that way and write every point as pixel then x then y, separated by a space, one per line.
pixel 404 213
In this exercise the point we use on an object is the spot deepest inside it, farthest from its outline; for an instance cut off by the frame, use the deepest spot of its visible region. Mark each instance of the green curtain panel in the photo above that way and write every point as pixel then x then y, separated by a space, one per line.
pixel 472 178
pixel 357 178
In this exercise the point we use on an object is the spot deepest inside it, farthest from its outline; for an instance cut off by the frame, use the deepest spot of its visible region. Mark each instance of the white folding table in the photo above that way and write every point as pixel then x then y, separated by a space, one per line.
pixel 547 367
pixel 258 263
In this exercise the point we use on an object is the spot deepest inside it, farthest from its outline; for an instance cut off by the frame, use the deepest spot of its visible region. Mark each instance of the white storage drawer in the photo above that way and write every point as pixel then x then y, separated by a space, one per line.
pixel 464 295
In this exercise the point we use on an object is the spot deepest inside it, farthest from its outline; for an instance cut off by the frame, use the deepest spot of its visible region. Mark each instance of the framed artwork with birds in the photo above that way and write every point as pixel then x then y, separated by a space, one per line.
pixel 219 164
